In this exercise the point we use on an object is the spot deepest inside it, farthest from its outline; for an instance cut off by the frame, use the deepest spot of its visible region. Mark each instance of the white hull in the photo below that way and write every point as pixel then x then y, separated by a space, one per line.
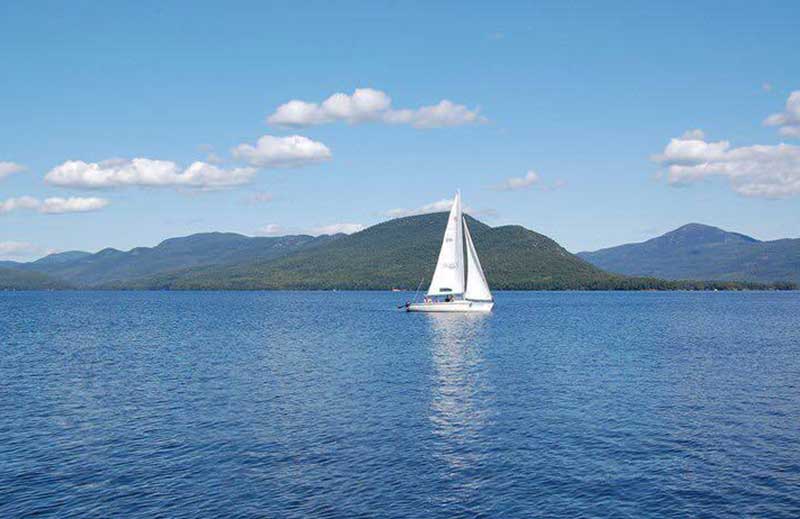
pixel 453 306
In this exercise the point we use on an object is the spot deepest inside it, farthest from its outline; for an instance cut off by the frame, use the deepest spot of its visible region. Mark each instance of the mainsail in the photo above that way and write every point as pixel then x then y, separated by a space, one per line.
pixel 477 287
pixel 449 275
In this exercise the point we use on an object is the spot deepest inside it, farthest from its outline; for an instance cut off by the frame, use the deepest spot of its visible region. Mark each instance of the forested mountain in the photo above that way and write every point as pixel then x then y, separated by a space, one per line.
pixel 14 279
pixel 112 265
pixel 697 251
pixel 398 253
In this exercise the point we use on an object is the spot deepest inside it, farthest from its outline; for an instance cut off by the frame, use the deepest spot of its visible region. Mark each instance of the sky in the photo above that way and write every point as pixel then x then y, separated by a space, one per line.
pixel 123 124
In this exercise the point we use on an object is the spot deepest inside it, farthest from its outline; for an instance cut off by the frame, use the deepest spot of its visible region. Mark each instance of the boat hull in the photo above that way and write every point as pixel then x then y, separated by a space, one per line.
pixel 452 306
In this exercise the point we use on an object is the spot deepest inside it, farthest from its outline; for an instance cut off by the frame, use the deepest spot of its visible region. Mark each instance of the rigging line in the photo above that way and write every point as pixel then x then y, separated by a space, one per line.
pixel 418 287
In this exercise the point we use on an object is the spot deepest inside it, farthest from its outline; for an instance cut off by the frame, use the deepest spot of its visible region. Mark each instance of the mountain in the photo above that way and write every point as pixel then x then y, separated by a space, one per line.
pixel 697 251
pixel 60 258
pixel 112 265
pixel 14 279
pixel 396 253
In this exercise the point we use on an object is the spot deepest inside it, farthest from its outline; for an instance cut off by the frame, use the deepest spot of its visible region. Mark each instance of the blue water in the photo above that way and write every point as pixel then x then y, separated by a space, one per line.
pixel 336 405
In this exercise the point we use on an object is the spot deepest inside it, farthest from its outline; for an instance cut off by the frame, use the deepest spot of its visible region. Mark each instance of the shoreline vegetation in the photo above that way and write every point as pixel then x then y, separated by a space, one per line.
pixel 396 254
pixel 622 285
pixel 611 283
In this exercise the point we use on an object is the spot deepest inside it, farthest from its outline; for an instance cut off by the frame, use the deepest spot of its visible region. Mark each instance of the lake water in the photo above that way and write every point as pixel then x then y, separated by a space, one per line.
pixel 260 404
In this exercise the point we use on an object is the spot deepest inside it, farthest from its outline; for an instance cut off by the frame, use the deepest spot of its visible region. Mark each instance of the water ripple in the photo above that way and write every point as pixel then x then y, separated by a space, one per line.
pixel 334 405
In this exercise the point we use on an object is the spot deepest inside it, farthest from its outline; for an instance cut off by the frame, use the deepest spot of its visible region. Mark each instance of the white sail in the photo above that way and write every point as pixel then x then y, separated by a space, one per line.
pixel 477 287
pixel 449 275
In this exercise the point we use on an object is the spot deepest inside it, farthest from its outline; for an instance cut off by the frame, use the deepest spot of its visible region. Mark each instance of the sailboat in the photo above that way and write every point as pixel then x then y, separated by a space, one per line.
pixel 458 284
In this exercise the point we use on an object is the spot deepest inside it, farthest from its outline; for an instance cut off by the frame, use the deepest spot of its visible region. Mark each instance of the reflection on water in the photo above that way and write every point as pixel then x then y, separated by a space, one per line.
pixel 461 399
pixel 321 404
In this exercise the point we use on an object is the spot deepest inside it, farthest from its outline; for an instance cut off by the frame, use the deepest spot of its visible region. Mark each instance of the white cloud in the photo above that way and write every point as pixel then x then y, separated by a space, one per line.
pixel 54 205
pixel 446 113
pixel 145 172
pixel 57 205
pixel 283 152
pixel 370 105
pixel 208 176
pixel 271 229
pixel 8 168
pixel 516 183
pixel 788 121
pixel 529 180
pixel 769 171
pixel 365 104
pixel 336 228
pixel 439 206
pixel 22 202
pixel 213 158
pixel 690 151
pixel 17 249
pixel 434 207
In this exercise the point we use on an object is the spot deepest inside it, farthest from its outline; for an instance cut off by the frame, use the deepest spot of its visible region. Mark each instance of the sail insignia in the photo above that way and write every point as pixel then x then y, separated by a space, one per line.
pixel 449 275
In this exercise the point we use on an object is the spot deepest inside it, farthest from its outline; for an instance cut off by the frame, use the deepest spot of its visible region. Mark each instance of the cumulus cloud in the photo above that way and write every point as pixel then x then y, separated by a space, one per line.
pixel 788 121
pixel 8 168
pixel 58 205
pixel 145 172
pixel 271 229
pixel 16 249
pixel 370 105
pixel 446 113
pixel 365 104
pixel 531 179
pixel 21 202
pixel 769 171
pixel 336 228
pixel 516 183
pixel 213 158
pixel 211 155
pixel 54 205
pixel 283 152
pixel 434 207
pixel 439 206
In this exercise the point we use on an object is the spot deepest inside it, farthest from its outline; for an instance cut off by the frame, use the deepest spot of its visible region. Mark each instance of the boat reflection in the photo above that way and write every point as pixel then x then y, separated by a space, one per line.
pixel 461 397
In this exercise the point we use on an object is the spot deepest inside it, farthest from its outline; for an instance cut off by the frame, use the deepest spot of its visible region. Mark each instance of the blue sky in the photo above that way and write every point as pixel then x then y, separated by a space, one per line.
pixel 587 97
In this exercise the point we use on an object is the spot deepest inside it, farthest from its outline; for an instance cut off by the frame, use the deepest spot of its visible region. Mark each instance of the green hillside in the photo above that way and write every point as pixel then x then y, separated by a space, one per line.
pixel 13 279
pixel 697 251
pixel 399 253
pixel 111 265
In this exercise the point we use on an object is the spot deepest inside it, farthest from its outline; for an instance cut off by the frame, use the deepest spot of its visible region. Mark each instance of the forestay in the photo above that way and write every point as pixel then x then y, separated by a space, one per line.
pixel 449 275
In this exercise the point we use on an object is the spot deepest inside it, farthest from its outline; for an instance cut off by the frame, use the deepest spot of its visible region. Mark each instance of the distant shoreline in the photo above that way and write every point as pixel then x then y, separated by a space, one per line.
pixel 398 253
pixel 793 288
